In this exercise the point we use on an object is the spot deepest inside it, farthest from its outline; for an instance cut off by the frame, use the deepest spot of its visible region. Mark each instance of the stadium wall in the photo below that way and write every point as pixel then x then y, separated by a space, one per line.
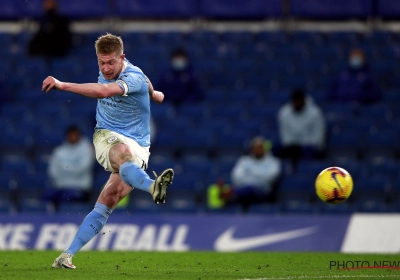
pixel 346 233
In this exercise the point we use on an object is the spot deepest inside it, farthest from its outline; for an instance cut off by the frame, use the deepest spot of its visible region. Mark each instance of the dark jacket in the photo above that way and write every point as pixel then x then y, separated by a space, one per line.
pixel 180 86
pixel 355 85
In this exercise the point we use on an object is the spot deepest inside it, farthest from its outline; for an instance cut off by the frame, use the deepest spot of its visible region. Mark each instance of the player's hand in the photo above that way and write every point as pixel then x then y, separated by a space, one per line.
pixel 157 96
pixel 51 83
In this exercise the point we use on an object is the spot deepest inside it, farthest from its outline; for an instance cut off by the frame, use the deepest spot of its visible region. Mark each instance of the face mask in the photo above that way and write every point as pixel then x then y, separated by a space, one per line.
pixel 179 64
pixel 356 62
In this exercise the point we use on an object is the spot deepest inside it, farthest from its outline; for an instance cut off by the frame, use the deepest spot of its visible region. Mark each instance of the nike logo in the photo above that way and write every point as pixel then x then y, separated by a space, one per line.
pixel 227 242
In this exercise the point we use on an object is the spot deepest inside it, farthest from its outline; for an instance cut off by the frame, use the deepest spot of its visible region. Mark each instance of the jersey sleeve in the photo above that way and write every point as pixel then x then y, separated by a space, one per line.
pixel 130 83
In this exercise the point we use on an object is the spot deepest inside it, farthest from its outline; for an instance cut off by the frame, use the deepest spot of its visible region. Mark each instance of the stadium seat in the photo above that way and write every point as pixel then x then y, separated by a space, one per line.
pixel 348 143
pixel 311 168
pixel 299 206
pixel 329 9
pixel 254 9
pixel 388 9
pixel 17 165
pixel 335 209
pixel 371 189
pixel 384 167
pixel 33 206
pixel 261 209
pixel 155 8
pixel 200 164
pixel 76 9
pixel 80 208
pixel 182 201
pixel 296 187
pixel 382 143
pixel 10 10
pixel 199 140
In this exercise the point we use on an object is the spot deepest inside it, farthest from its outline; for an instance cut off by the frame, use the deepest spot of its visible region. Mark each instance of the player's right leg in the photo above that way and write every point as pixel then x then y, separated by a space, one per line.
pixel 124 159
pixel 113 192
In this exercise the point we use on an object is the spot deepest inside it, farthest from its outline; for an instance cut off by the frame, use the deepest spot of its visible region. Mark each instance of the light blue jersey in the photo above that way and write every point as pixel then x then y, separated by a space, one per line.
pixel 127 114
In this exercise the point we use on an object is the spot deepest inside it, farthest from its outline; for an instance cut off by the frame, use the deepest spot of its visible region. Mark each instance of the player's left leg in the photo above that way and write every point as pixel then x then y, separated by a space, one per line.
pixel 111 195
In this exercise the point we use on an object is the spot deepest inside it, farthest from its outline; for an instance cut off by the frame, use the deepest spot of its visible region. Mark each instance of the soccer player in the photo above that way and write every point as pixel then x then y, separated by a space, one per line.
pixel 121 138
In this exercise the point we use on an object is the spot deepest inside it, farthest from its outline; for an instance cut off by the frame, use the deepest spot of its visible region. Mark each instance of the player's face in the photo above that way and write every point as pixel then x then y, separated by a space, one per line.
pixel 110 65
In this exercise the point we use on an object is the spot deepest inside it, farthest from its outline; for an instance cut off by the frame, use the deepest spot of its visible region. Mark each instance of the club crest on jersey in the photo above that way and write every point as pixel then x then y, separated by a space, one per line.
pixel 112 139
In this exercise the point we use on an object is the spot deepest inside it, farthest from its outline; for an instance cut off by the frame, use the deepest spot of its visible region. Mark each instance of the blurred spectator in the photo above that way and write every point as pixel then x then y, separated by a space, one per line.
pixel 71 169
pixel 301 128
pixel 53 38
pixel 218 194
pixel 356 83
pixel 255 176
pixel 179 83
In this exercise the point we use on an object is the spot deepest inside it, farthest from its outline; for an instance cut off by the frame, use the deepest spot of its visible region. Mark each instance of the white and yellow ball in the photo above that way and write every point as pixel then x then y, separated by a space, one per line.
pixel 334 185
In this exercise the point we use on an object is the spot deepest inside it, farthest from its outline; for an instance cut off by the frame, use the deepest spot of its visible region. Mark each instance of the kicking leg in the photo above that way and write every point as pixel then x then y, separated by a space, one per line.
pixel 124 160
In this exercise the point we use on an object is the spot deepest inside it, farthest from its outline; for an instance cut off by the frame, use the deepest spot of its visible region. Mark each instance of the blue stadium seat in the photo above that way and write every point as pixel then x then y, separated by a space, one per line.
pixel 337 209
pixel 197 111
pixel 182 201
pixel 311 168
pixel 158 163
pixel 384 167
pixel 234 111
pixel 10 10
pixel 247 96
pixel 347 143
pixel 6 206
pixel 227 141
pixel 266 112
pixel 382 143
pixel 329 9
pixel 17 165
pixel 388 9
pixel 50 138
pixel 100 179
pixel 167 139
pixel 196 164
pixel 200 139
pixel 80 208
pixel 374 112
pixel 265 209
pixel 15 111
pixel 32 9
pixel 33 206
pixel 162 111
pixel 371 188
pixel 217 95
pixel 76 9
pixel 299 206
pixel 296 187
pixel 5 182
pixel 253 9
pixel 155 9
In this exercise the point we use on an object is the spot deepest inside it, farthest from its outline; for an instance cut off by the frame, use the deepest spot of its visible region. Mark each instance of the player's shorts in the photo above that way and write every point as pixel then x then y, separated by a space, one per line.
pixel 104 139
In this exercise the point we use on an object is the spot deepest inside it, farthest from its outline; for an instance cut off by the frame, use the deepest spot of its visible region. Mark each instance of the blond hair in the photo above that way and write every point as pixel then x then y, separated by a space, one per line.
pixel 108 44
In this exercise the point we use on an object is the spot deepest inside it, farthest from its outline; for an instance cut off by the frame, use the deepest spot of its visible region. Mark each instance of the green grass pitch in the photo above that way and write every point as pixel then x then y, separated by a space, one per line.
pixel 198 265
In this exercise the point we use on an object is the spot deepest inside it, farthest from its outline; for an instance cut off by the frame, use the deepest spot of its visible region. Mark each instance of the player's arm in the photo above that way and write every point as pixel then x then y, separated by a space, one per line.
pixel 94 90
pixel 156 96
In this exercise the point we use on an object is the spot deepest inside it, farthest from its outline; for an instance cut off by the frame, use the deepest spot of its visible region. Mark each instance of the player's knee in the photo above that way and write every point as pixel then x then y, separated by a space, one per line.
pixel 120 153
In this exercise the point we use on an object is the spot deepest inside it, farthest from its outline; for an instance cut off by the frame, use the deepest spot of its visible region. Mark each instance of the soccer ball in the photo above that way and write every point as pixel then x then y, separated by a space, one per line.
pixel 334 185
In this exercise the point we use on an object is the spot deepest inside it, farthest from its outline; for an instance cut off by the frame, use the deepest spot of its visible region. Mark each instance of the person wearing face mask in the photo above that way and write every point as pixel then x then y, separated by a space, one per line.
pixel 178 82
pixel 301 128
pixel 255 176
pixel 356 83
pixel 53 38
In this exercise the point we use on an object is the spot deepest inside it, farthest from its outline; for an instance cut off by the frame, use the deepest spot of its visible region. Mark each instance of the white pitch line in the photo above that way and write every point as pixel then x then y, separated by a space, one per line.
pixel 326 277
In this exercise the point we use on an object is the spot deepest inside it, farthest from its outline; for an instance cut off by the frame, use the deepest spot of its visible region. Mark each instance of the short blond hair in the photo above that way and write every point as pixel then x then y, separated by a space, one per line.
pixel 108 44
